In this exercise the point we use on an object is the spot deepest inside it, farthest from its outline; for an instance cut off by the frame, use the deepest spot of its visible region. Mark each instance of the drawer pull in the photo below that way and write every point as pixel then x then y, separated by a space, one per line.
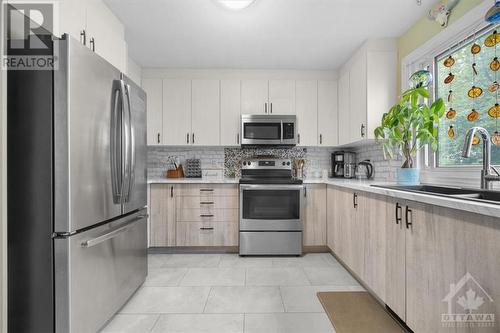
pixel 207 215
pixel 206 203
pixel 206 190
pixel 206 228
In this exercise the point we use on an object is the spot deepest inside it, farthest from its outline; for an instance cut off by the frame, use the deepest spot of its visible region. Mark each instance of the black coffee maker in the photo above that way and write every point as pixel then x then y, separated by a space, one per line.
pixel 338 164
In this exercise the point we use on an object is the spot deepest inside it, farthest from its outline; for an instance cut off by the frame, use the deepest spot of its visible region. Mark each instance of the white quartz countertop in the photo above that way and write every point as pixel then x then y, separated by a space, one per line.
pixel 193 181
pixel 482 208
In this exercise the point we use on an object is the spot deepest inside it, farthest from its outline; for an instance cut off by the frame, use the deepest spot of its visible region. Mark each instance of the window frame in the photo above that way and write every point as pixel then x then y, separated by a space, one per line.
pixel 424 56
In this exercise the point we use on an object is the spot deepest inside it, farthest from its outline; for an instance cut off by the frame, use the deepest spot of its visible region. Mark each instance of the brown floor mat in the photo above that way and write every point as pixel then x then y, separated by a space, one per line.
pixel 357 312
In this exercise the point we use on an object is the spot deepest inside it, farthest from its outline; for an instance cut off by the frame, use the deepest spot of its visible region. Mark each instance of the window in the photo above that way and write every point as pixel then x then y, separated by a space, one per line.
pixel 454 126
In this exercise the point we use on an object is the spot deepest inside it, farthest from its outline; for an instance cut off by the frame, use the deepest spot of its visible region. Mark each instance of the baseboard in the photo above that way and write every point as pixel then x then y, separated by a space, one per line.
pixel 219 249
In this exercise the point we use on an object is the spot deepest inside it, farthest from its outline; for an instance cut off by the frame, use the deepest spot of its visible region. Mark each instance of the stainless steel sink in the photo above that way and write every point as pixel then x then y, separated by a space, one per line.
pixel 451 192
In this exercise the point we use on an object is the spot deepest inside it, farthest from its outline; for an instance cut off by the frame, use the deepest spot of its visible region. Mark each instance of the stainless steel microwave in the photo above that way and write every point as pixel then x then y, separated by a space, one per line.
pixel 268 130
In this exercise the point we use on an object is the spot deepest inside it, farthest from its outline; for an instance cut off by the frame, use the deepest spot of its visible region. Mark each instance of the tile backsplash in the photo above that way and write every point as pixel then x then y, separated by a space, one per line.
pixel 229 159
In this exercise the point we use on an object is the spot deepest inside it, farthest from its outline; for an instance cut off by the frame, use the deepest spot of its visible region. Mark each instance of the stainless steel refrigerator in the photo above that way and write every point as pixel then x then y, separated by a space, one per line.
pixel 77 243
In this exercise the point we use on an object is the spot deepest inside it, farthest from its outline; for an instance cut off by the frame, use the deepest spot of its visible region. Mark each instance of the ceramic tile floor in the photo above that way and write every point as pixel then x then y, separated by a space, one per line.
pixel 219 293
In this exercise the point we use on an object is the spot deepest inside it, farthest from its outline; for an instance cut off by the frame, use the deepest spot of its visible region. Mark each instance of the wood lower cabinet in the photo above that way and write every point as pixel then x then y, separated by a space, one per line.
pixel 314 215
pixel 162 215
pixel 417 257
pixel 194 215
pixel 207 234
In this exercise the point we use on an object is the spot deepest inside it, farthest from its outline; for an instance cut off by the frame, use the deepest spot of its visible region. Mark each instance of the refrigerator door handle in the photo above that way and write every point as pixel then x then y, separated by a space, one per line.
pixel 112 234
pixel 131 177
pixel 116 179
pixel 126 140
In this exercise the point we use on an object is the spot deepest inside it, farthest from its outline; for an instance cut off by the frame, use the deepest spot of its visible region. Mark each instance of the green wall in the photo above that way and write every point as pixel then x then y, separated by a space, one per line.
pixel 424 29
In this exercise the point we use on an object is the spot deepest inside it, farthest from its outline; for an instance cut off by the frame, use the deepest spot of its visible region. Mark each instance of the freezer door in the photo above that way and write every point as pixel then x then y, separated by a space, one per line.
pixel 97 271
pixel 136 105
pixel 86 96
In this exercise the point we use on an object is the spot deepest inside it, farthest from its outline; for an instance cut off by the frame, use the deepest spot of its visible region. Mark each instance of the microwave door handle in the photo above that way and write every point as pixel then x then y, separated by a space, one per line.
pixel 281 139
pixel 116 180
pixel 131 177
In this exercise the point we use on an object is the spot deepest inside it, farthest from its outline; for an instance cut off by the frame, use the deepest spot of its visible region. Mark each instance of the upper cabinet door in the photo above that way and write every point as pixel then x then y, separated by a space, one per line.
pixel 106 34
pixel 344 108
pixel 327 113
pixel 230 114
pixel 281 97
pixel 205 112
pixel 254 97
pixel 306 104
pixel 154 91
pixel 176 112
pixel 358 102
pixel 72 14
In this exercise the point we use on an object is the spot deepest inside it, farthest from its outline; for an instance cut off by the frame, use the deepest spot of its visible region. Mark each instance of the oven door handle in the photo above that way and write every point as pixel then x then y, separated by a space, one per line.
pixel 247 187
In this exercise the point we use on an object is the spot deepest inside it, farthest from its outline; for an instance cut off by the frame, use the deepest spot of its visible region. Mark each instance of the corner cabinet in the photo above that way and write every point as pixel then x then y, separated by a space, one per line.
pixel 367 89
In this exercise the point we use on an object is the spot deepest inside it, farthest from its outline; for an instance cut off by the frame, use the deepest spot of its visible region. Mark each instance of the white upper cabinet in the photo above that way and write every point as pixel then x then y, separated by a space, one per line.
pixel 205 113
pixel 106 34
pixel 154 91
pixel 254 97
pixel 306 104
pixel 73 18
pixel 176 112
pixel 281 97
pixel 368 83
pixel 230 114
pixel 327 113
pixel 344 108
pixel 93 23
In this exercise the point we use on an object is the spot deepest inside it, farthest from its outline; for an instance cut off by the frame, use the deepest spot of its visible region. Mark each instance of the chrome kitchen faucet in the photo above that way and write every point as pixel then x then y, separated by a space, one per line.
pixel 489 173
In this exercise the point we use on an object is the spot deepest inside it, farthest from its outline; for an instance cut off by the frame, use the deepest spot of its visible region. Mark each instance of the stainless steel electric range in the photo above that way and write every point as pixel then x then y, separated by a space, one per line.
pixel 271 206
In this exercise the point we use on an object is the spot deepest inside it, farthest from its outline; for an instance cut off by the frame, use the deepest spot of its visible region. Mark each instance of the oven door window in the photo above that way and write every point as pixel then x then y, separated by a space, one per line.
pixel 271 205
pixel 262 131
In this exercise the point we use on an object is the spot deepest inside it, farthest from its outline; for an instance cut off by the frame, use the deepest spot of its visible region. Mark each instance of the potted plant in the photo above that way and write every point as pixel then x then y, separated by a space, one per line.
pixel 407 127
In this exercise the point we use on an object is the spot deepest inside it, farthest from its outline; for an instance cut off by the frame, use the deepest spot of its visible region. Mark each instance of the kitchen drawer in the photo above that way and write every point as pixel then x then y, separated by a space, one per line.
pixel 207 215
pixel 207 234
pixel 207 205
pixel 207 190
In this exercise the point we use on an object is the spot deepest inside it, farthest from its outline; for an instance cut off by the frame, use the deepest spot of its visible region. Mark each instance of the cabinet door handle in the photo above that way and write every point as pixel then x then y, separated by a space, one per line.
pixel 305 191
pixel 83 37
pixel 363 127
pixel 187 138
pixel 408 217
pixel 238 138
pixel 92 44
pixel 171 191
pixel 206 228
pixel 398 213
pixel 321 139
pixel 206 215
pixel 265 107
pixel 158 138
pixel 355 200
pixel 206 203
pixel 193 139
pixel 271 107
pixel 298 138
pixel 206 189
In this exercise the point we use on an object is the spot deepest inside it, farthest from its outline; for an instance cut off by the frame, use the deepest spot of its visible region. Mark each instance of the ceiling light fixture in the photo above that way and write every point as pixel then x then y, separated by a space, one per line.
pixel 236 4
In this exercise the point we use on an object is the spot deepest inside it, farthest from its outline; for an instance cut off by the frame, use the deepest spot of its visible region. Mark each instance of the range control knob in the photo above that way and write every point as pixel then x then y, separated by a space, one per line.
pixel 288 163
pixel 284 163
pixel 244 163
pixel 249 163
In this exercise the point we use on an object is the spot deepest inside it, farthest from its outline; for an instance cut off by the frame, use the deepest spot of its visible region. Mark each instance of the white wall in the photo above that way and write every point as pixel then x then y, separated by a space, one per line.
pixel 134 71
